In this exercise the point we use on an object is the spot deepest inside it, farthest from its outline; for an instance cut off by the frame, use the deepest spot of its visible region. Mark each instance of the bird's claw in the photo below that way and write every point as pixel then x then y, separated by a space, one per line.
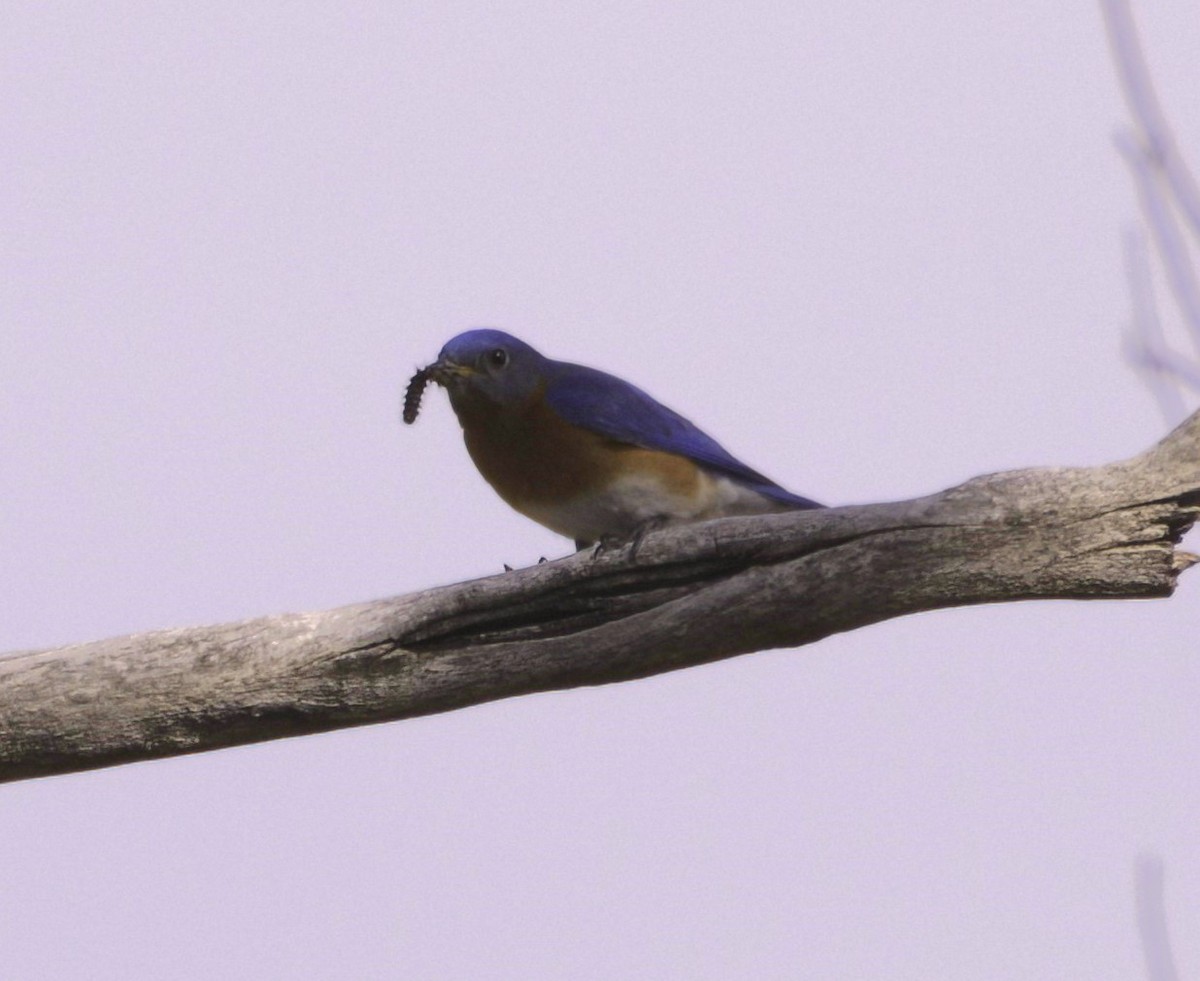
pixel 608 543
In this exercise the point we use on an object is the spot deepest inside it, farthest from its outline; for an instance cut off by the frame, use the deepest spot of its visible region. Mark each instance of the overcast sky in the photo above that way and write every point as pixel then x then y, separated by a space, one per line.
pixel 874 250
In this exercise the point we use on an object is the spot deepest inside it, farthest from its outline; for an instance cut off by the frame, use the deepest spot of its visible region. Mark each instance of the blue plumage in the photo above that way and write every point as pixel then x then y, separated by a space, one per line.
pixel 612 407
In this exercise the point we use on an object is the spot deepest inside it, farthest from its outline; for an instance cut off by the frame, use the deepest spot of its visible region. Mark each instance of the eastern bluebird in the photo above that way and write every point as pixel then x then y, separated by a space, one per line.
pixel 582 452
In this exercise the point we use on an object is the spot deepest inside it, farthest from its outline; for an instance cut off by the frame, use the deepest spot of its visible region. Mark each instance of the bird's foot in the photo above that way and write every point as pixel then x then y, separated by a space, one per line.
pixel 608 543
pixel 641 531
pixel 540 561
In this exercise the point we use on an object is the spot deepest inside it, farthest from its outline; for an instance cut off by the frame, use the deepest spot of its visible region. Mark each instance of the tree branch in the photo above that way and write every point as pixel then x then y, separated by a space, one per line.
pixel 1170 198
pixel 1145 342
pixel 693 594
pixel 1152 919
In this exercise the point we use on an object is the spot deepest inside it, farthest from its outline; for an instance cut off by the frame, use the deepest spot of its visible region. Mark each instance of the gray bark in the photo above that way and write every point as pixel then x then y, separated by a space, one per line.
pixel 691 594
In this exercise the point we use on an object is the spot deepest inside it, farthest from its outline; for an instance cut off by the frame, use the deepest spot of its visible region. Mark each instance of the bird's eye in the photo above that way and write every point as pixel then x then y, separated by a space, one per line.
pixel 498 357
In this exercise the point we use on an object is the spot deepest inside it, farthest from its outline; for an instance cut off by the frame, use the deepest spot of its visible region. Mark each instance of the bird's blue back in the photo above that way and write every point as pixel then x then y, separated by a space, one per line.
pixel 605 404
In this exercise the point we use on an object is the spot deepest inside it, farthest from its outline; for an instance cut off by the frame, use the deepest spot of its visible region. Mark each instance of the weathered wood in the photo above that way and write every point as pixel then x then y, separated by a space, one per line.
pixel 691 595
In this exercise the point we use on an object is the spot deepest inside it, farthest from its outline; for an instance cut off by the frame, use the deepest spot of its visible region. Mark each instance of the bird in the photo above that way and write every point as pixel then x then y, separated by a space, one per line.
pixel 582 452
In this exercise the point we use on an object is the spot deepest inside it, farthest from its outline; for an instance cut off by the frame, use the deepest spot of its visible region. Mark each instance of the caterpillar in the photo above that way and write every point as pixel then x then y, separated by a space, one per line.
pixel 412 395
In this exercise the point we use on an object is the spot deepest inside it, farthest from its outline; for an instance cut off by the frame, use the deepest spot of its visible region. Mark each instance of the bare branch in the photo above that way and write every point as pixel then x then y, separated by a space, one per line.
pixel 1165 362
pixel 696 593
pixel 1167 190
pixel 1152 919
pixel 1146 343
pixel 1155 134
pixel 1169 242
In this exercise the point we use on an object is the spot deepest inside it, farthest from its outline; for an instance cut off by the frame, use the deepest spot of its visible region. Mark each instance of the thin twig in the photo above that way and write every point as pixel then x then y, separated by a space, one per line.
pixel 1146 344
pixel 1155 133
pixel 1169 242
pixel 1152 919
pixel 1167 190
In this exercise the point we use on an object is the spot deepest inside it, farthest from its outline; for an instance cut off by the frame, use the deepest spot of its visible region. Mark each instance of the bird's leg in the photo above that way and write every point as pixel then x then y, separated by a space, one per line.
pixel 606 543
pixel 640 532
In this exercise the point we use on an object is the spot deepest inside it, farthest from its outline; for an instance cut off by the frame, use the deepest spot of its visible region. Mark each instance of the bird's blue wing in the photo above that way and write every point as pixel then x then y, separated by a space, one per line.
pixel 605 404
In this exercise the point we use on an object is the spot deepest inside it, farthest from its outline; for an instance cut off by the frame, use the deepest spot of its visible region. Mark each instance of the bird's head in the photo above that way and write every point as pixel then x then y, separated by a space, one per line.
pixel 487 366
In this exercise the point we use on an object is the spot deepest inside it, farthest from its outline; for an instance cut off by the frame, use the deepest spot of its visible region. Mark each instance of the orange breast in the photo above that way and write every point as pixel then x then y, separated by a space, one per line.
pixel 533 458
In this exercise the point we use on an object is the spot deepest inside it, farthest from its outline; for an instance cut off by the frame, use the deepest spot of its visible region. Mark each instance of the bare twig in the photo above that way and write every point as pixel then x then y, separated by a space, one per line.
pixel 1169 241
pixel 1171 364
pixel 1154 131
pixel 1146 344
pixel 1169 197
pixel 1152 919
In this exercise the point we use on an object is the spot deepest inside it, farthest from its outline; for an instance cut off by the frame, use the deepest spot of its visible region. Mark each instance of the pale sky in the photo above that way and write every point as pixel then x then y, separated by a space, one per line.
pixel 873 250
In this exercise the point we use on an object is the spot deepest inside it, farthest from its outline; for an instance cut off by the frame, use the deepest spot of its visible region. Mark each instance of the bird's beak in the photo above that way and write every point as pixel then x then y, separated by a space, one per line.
pixel 446 372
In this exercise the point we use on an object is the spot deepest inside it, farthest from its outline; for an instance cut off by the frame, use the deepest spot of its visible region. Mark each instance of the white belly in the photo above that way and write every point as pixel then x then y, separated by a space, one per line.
pixel 630 501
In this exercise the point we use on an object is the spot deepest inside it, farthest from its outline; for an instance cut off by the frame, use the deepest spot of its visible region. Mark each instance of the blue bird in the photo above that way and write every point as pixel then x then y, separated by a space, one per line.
pixel 582 452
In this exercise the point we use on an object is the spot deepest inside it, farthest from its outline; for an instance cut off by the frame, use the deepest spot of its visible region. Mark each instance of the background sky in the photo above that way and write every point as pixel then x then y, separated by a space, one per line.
pixel 875 251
